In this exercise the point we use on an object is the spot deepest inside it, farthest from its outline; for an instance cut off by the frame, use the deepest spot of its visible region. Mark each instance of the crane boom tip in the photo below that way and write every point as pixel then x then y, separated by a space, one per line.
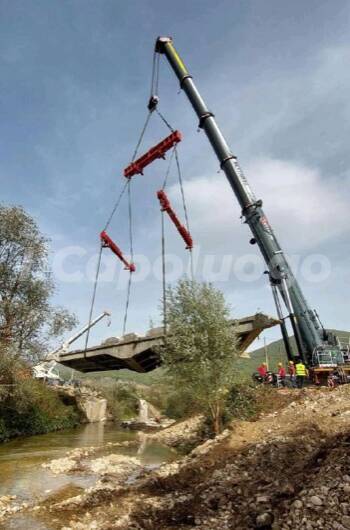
pixel 160 42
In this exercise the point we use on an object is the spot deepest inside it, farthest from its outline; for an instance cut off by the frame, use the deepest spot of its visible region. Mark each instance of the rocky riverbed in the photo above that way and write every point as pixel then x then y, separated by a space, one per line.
pixel 39 471
pixel 289 469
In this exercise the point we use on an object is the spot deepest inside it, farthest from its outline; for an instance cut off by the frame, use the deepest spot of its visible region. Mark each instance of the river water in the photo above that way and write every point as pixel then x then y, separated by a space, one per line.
pixel 22 474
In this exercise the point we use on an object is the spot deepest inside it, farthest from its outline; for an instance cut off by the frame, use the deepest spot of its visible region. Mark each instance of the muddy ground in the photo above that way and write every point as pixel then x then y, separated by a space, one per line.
pixel 289 469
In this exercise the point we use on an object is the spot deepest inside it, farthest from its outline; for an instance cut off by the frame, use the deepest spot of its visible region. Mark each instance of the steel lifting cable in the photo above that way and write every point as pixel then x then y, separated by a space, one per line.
pixel 180 179
pixel 163 275
pixel 164 120
pixel 114 209
pixel 168 168
pixel 128 184
pixel 179 172
pixel 152 106
pixel 155 98
pixel 93 300
pixel 154 92
pixel 163 247
pixel 131 258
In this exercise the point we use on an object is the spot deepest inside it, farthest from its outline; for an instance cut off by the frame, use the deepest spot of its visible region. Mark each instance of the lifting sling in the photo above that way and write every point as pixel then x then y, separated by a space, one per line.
pixel 108 242
pixel 136 166
pixel 158 151
pixel 166 207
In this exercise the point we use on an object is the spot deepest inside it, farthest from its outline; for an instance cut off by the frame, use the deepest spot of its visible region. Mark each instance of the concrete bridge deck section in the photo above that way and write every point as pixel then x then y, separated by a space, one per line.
pixel 141 354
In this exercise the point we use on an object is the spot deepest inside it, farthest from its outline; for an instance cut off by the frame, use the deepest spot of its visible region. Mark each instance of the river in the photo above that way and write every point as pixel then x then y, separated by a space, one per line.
pixel 22 474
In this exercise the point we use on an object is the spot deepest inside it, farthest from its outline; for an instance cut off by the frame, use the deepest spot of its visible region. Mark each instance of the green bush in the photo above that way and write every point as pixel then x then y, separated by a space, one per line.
pixel 121 396
pixel 246 401
pixel 242 403
pixel 28 406
pixel 179 405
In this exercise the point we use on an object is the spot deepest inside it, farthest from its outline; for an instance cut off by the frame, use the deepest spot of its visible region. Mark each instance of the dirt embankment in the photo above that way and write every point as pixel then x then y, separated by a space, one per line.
pixel 182 435
pixel 290 469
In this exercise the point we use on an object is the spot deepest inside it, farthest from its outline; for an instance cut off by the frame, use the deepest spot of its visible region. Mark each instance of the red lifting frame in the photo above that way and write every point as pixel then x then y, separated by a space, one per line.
pixel 166 207
pixel 108 242
pixel 158 151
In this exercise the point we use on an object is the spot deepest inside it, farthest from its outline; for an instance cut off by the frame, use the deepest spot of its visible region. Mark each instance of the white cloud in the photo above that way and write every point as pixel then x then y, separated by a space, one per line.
pixel 304 208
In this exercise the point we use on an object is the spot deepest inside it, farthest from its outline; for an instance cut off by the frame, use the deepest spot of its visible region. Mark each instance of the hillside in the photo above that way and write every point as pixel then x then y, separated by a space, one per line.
pixel 275 352
pixel 149 378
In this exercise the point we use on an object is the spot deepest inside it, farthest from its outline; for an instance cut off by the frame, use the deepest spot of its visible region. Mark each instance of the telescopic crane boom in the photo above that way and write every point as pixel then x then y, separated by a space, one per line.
pixel 46 368
pixel 308 333
pixel 65 345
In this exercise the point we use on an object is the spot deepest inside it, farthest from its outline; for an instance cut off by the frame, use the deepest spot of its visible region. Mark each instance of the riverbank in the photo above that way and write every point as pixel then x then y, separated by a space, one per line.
pixel 289 468
pixel 40 470
pixel 29 407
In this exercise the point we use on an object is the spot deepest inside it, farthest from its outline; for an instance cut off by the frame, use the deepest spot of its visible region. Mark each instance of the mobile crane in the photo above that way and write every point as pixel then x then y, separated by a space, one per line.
pixel 46 369
pixel 318 347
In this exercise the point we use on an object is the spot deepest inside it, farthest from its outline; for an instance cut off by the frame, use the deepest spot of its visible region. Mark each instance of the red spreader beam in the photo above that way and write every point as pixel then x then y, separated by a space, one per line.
pixel 166 207
pixel 108 242
pixel 158 151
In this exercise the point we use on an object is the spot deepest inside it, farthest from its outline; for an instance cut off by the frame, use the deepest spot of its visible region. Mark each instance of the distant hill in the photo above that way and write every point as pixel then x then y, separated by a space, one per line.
pixel 276 353
pixel 127 375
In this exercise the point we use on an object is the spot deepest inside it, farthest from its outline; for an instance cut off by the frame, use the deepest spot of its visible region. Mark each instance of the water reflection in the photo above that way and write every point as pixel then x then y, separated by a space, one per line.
pixel 21 471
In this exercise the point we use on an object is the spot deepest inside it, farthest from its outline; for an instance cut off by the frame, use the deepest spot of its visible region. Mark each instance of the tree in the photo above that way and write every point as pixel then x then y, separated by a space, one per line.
pixel 27 319
pixel 201 346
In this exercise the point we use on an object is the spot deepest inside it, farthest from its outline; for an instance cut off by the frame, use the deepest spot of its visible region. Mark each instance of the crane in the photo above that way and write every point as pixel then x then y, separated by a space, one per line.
pixel 45 369
pixel 65 345
pixel 316 345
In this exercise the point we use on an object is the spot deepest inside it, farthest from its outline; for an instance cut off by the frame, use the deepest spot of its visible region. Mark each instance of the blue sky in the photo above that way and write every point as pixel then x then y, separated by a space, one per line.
pixel 74 85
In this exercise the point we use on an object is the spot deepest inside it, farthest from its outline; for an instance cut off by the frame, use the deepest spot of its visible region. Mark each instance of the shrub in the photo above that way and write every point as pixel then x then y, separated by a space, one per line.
pixel 180 405
pixel 28 406
pixel 201 346
pixel 242 403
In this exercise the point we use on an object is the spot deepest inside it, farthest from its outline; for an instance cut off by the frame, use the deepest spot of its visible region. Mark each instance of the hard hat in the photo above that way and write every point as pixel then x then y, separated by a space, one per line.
pixel 279 364
pixel 291 362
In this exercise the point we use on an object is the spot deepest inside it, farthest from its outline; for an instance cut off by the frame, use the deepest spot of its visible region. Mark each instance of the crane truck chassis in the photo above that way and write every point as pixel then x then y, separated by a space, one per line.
pixel 319 348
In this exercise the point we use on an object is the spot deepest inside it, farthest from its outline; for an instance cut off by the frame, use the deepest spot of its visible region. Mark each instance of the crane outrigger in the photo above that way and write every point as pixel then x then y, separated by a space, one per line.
pixel 317 346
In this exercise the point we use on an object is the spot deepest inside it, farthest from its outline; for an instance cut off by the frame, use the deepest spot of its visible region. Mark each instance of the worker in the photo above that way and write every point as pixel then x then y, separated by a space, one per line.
pixel 281 374
pixel 332 379
pixel 301 373
pixel 291 372
pixel 262 369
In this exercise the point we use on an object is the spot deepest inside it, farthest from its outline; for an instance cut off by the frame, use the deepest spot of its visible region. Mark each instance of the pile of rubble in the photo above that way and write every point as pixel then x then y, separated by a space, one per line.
pixel 183 434
pixel 288 470
pixel 80 460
